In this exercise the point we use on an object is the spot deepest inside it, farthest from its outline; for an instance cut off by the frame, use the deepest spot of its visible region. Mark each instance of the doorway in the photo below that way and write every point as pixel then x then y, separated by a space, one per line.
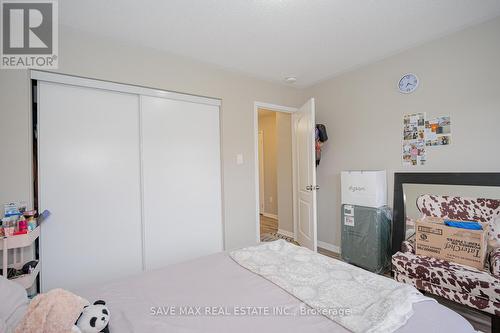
pixel 275 175
pixel 285 171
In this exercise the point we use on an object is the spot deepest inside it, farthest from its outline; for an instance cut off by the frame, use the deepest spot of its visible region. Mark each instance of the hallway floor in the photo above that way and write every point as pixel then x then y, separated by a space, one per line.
pixel 268 225
pixel 269 231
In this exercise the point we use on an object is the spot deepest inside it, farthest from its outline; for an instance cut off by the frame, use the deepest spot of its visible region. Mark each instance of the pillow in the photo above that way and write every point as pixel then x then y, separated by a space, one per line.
pixel 494 233
pixel 13 305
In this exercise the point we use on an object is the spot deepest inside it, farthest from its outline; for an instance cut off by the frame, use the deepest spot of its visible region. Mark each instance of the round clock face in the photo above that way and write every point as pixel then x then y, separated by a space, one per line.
pixel 408 83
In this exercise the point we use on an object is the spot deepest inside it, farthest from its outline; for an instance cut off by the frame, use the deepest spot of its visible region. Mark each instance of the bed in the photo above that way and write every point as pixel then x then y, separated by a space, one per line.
pixel 141 303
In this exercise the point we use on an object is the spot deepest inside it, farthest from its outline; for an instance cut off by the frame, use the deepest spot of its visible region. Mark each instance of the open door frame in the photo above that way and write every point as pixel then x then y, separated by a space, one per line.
pixel 277 108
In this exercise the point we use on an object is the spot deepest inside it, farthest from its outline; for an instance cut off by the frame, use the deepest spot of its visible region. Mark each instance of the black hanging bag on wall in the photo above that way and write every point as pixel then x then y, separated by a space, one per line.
pixel 322 135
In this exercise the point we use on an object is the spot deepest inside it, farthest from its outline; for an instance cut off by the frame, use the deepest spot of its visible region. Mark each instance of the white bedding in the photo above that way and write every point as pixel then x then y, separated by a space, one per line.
pixel 218 281
pixel 368 302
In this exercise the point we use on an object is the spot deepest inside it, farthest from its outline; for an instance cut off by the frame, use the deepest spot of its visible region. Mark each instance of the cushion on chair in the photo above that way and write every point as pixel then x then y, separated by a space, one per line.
pixel 408 246
pixel 495 263
pixel 456 277
pixel 469 300
pixel 494 233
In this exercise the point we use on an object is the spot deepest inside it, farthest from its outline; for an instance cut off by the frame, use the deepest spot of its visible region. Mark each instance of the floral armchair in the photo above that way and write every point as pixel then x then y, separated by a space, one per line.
pixel 462 284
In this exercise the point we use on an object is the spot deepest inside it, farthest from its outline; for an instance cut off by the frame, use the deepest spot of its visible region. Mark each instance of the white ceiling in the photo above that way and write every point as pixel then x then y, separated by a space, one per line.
pixel 273 39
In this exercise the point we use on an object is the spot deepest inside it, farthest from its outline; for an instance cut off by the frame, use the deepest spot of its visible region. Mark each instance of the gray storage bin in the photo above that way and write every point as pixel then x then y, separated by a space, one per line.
pixel 366 234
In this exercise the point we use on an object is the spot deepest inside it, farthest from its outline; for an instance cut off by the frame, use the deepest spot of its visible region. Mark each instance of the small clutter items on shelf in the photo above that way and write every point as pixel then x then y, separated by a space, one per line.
pixel 19 229
pixel 17 220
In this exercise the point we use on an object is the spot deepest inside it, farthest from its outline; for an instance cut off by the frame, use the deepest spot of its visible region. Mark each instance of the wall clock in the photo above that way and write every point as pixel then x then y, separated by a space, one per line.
pixel 408 83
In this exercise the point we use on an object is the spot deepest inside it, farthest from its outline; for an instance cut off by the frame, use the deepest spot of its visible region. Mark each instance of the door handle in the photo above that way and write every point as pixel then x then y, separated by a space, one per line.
pixel 312 188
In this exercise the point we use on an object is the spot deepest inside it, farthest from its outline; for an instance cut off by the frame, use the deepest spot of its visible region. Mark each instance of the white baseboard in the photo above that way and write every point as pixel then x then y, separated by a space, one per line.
pixel 329 247
pixel 286 233
pixel 271 216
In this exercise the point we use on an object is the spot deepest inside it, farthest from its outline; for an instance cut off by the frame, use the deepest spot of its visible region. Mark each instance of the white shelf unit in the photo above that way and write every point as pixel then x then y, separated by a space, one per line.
pixel 16 242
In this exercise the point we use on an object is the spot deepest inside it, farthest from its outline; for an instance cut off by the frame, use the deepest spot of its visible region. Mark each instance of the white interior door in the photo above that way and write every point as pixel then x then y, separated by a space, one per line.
pixel 89 178
pixel 305 175
pixel 181 179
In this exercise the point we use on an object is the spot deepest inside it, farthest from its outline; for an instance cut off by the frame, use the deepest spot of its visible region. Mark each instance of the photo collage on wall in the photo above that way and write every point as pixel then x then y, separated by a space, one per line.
pixel 414 139
pixel 419 133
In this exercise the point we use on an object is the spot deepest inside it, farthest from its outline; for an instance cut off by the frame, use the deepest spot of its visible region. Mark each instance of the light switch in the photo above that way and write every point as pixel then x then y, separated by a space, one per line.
pixel 239 159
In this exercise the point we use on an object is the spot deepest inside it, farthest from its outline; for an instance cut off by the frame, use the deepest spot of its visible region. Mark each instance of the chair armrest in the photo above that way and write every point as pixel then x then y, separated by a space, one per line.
pixel 495 262
pixel 408 246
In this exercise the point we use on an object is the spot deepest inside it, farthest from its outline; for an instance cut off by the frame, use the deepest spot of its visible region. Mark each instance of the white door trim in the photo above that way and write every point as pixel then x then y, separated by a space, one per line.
pixel 261 173
pixel 329 247
pixel 121 87
pixel 278 108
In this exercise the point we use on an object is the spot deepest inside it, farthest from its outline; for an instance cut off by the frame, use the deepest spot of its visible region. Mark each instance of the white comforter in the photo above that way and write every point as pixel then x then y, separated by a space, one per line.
pixel 354 298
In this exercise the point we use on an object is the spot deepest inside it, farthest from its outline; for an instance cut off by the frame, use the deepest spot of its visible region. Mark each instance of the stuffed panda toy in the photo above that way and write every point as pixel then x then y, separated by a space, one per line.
pixel 94 318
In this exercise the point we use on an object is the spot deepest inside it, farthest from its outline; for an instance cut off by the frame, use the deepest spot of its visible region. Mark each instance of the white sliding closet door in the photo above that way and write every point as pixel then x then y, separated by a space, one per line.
pixel 181 179
pixel 89 178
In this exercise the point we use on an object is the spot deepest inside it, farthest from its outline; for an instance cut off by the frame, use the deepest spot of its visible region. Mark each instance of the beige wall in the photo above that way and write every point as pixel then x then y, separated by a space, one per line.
pixel 15 137
pixel 459 76
pixel 92 56
pixel 267 124
pixel 284 165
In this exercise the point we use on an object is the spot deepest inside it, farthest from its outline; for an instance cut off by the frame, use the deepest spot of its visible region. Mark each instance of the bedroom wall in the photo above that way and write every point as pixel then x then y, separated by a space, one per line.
pixel 459 76
pixel 97 57
pixel 362 109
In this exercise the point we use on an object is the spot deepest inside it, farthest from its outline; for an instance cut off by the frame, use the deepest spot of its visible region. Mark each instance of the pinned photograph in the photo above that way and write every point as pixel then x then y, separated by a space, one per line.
pixel 414 153
pixel 438 131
